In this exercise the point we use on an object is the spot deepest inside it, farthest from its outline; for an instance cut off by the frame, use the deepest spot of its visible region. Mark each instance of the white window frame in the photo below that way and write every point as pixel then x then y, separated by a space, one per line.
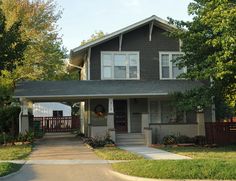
pixel 170 64
pixel 126 53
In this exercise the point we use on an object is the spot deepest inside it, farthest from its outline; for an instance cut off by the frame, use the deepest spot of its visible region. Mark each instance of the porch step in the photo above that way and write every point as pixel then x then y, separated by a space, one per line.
pixel 130 139
pixel 59 135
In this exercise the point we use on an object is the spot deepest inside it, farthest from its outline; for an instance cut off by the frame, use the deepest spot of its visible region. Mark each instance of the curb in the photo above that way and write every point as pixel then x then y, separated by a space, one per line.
pixel 12 174
pixel 133 178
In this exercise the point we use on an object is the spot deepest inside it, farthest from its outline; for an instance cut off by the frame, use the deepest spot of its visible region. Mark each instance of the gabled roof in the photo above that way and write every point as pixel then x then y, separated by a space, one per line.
pixel 156 20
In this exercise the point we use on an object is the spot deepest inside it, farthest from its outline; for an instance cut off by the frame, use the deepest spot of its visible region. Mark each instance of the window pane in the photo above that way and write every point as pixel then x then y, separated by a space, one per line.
pixel 107 72
pixel 176 71
pixel 165 72
pixel 107 59
pixel 133 72
pixel 119 60
pixel 165 60
pixel 133 60
pixel 120 72
pixel 168 114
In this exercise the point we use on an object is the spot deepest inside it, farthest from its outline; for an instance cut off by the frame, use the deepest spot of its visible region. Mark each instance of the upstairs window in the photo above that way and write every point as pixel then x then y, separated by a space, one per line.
pixel 120 65
pixel 168 68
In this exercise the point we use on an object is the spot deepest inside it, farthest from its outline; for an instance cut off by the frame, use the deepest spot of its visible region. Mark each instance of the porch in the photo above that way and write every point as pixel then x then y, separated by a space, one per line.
pixel 113 107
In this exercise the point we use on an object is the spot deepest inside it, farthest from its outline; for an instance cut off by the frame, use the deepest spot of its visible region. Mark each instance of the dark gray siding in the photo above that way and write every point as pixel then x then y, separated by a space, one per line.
pixel 137 40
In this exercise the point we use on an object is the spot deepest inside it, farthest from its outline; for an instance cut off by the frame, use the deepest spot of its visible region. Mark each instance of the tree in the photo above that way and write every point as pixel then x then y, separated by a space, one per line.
pixel 93 37
pixel 11 45
pixel 43 57
pixel 209 44
pixel 12 49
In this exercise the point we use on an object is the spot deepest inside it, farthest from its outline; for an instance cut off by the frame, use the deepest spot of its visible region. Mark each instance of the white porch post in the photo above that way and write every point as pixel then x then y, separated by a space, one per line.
pixel 110 119
pixel 23 117
pixel 201 123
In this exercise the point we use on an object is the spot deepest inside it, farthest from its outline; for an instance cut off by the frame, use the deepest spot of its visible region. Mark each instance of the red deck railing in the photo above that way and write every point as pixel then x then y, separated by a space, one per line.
pixel 58 124
pixel 221 132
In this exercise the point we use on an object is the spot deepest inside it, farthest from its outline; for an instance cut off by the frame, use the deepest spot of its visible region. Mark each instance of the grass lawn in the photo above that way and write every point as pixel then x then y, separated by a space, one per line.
pixel 207 163
pixel 114 153
pixel 179 169
pixel 7 168
pixel 225 153
pixel 15 152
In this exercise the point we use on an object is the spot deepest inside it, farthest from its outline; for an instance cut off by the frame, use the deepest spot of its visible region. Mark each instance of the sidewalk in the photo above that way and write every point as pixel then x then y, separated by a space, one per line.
pixel 153 153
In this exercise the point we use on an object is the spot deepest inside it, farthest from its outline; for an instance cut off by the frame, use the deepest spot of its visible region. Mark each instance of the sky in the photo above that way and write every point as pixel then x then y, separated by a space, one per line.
pixel 81 18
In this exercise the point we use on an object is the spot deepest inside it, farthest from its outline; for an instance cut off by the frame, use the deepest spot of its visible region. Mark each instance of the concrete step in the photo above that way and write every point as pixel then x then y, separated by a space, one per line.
pixel 130 143
pixel 59 135
pixel 130 135
pixel 130 139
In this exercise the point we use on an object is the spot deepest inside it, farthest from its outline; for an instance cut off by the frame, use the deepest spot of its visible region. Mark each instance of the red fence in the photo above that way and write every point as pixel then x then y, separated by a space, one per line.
pixel 58 124
pixel 221 132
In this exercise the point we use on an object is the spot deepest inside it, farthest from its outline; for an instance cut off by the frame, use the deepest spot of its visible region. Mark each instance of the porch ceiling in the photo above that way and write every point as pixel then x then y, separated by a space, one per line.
pixel 80 90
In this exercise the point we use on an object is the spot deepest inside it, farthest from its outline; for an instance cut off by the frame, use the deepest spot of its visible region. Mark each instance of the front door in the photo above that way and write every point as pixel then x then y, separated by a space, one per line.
pixel 120 116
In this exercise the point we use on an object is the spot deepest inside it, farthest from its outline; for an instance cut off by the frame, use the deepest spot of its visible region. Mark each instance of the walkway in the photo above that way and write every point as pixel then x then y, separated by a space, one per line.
pixel 153 153
pixel 60 159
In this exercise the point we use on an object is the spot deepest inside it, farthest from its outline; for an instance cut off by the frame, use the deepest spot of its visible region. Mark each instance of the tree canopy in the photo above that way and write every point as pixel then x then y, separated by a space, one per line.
pixel 30 45
pixel 43 56
pixel 209 44
pixel 93 37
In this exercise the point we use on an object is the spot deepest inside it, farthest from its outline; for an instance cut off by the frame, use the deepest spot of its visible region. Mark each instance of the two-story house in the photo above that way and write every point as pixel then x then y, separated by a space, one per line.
pixel 126 81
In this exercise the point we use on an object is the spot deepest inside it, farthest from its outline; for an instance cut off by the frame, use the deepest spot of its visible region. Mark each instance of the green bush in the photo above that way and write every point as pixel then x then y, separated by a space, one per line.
pixel 169 140
pixel 184 139
pixel 9 120
pixel 28 136
pixel 6 138
pixel 99 142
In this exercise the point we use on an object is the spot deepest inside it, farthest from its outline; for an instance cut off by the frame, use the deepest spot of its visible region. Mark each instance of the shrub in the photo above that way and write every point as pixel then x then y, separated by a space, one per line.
pixel 9 120
pixel 6 138
pixel 28 136
pixel 99 142
pixel 184 139
pixel 169 140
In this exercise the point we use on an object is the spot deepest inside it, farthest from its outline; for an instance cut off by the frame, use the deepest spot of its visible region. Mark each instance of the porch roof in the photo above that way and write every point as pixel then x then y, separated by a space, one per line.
pixel 46 90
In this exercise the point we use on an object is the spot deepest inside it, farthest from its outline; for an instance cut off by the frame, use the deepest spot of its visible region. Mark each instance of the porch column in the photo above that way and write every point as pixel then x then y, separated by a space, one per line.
pixel 145 121
pixel 110 119
pixel 24 116
pixel 201 123
pixel 148 136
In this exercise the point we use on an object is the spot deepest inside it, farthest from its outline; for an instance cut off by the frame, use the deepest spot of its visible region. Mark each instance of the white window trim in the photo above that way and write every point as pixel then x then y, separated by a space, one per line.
pixel 127 66
pixel 170 53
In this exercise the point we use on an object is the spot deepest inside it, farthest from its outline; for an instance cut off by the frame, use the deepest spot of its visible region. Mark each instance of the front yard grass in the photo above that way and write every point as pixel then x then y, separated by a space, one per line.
pixel 207 163
pixel 7 168
pixel 15 152
pixel 114 153
pixel 179 169
pixel 224 152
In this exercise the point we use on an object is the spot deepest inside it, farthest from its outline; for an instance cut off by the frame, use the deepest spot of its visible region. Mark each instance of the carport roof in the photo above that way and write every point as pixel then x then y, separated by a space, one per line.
pixel 39 90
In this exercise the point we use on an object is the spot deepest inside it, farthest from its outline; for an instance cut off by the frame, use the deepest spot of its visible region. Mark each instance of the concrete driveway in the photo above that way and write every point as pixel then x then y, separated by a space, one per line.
pixel 41 165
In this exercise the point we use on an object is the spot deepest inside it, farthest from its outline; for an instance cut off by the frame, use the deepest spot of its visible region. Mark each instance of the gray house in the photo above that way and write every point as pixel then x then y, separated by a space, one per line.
pixel 126 80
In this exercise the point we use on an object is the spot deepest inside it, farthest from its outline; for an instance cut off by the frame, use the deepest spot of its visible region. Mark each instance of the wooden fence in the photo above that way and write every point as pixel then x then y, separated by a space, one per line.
pixel 58 124
pixel 221 133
